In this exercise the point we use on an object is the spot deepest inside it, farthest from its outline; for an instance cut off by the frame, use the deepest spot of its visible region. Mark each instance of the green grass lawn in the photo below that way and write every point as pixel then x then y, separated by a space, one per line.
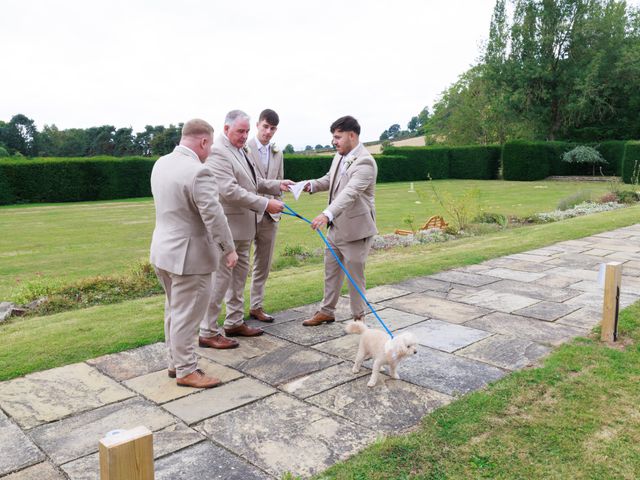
pixel 68 242
pixel 574 418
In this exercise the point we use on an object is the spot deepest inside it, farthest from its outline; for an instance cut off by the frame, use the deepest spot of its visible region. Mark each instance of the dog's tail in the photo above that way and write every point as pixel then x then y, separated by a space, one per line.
pixel 355 327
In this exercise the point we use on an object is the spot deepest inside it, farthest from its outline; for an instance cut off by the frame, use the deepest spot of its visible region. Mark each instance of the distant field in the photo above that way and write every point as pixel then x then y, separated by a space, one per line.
pixel 76 240
pixel 407 142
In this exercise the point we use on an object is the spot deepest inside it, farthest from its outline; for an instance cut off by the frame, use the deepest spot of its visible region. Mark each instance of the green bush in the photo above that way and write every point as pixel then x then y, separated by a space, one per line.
pixel 306 167
pixel 577 198
pixel 630 170
pixel 524 160
pixel 475 162
pixel 585 155
pixel 4 153
pixel 425 161
pixel 396 168
pixel 74 179
pixel 613 153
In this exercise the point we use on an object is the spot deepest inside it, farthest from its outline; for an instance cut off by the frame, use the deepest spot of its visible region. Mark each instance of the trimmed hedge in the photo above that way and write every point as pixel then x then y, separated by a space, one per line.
pixel 306 167
pixel 424 161
pixel 523 160
pixel 475 162
pixel 613 153
pixel 74 179
pixel 630 162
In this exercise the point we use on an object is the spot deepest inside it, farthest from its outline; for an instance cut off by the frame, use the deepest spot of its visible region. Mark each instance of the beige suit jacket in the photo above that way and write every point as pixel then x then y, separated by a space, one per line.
pixel 238 187
pixel 275 170
pixel 191 228
pixel 351 196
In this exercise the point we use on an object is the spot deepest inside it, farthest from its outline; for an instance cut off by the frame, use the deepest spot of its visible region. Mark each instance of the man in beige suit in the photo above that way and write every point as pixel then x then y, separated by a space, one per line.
pixel 238 187
pixel 351 217
pixel 190 233
pixel 269 165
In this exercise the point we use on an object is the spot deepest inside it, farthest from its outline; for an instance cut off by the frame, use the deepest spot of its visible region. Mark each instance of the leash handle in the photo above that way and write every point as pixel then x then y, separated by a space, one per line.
pixel 293 213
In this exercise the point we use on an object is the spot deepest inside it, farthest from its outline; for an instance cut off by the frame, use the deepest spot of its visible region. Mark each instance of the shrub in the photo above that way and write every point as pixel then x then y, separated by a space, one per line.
pixel 424 161
pixel 608 198
pixel 524 160
pixel 306 167
pixel 487 217
pixel 628 196
pixel 574 199
pixel 613 153
pixel 630 170
pixel 4 153
pixel 584 155
pixel 475 162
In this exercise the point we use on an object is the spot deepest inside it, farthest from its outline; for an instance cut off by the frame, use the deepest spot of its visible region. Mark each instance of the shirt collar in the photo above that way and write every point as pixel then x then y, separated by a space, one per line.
pixel 260 145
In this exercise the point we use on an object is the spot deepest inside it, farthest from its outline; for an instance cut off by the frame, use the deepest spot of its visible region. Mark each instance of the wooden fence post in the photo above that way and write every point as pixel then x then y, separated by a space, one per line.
pixel 127 455
pixel 611 303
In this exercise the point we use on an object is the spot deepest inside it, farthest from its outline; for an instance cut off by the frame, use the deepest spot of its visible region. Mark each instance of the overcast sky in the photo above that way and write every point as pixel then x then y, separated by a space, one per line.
pixel 83 63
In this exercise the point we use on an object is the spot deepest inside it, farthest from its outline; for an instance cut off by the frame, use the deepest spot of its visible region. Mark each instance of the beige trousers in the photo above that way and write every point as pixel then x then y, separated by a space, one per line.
pixel 229 285
pixel 353 256
pixel 264 244
pixel 186 301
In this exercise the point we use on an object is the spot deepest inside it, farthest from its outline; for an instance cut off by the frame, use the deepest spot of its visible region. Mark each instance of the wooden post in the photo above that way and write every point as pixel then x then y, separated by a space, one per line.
pixel 127 455
pixel 612 281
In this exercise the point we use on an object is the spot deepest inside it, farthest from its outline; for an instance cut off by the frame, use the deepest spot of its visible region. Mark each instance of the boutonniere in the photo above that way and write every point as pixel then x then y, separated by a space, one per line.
pixel 274 149
pixel 246 149
pixel 348 161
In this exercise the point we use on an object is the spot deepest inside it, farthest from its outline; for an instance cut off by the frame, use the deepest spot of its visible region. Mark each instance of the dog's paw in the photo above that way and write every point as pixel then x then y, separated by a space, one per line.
pixel 371 384
pixel 395 376
pixel 355 370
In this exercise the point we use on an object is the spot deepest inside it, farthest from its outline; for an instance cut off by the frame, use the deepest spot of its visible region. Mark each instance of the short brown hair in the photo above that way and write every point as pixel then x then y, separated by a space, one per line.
pixel 346 124
pixel 270 117
pixel 196 127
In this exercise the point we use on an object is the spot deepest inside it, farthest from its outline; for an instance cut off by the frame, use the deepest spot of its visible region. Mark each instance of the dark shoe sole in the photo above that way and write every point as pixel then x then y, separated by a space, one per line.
pixel 318 324
pixel 204 345
pixel 171 373
pixel 227 334
pixel 193 386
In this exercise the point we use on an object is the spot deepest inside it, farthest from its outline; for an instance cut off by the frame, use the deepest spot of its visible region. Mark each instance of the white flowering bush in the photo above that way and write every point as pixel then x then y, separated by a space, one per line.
pixel 584 208
pixel 433 235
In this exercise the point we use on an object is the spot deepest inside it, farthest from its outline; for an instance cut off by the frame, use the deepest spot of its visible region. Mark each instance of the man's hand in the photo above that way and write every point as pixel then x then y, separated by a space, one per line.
pixel 274 206
pixel 232 259
pixel 307 187
pixel 319 221
pixel 284 185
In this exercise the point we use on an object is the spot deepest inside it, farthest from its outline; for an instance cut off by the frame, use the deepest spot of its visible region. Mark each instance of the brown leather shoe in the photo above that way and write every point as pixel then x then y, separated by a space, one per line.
pixel 318 319
pixel 260 314
pixel 358 318
pixel 217 341
pixel 243 330
pixel 171 372
pixel 198 379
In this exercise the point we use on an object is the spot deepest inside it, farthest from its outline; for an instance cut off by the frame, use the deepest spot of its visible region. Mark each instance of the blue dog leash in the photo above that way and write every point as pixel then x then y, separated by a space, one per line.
pixel 293 213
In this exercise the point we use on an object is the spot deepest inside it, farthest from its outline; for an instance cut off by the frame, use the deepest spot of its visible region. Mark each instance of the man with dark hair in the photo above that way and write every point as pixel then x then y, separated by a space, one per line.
pixel 350 216
pixel 238 187
pixel 270 166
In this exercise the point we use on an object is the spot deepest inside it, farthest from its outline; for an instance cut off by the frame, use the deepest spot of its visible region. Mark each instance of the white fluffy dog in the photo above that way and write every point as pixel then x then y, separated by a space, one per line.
pixel 376 344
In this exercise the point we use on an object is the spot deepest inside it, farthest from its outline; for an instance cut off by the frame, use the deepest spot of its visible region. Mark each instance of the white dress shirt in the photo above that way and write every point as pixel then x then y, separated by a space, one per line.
pixel 264 151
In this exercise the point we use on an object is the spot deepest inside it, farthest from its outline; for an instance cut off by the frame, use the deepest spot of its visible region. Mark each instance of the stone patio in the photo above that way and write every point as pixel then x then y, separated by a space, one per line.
pixel 289 401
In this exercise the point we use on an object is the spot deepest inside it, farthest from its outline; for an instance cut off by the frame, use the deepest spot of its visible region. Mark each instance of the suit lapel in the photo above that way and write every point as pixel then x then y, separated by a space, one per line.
pixel 255 158
pixel 244 163
pixel 333 175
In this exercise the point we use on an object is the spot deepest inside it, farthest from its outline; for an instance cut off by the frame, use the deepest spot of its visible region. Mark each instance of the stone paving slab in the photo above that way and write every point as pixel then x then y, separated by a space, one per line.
pixel 554 280
pixel 462 278
pixel 508 352
pixel 391 406
pixel 76 436
pixel 518 275
pixel 446 372
pixel 529 257
pixel 206 461
pixel 57 393
pixel 584 317
pixel 17 450
pixel 574 260
pixel 393 319
pixel 344 347
pixel 445 336
pixel 594 300
pixel 322 380
pixel 547 311
pixel 132 363
pixel 298 333
pixel 503 302
pixel 250 347
pixel 279 317
pixel 431 307
pixel 214 401
pixel 422 284
pixel 294 436
pixel 522 265
pixel 41 471
pixel 536 330
pixel 343 309
pixel 551 293
pixel 384 292
pixel 284 364
pixel 578 273
pixel 168 440
pixel 159 388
